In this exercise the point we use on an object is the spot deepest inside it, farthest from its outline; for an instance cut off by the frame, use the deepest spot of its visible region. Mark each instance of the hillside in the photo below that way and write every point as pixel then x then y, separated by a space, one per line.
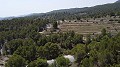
pixel 117 1
pixel 96 11
pixel 87 36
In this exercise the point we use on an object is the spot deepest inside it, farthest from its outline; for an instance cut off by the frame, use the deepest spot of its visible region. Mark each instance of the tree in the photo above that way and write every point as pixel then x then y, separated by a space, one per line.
pixel 16 61
pixel 116 65
pixel 118 21
pixel 105 58
pixel 35 36
pixel 13 45
pixel 94 54
pixel 54 38
pixel 41 52
pixel 94 46
pixel 88 39
pixel 87 62
pixel 78 39
pixel 67 44
pixel 78 17
pixel 52 50
pixel 42 41
pixel 38 63
pixel 55 25
pixel 103 32
pixel 70 33
pixel 79 52
pixel 62 62
pixel 27 52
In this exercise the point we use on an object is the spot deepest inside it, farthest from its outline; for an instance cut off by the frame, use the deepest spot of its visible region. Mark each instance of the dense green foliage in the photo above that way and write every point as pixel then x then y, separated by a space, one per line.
pixel 20 38
pixel 25 42
pixel 55 25
pixel 38 63
pixel 62 62
pixel 16 61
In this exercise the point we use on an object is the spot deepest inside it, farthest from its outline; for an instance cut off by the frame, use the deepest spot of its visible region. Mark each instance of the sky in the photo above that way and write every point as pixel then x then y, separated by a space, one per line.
pixel 23 7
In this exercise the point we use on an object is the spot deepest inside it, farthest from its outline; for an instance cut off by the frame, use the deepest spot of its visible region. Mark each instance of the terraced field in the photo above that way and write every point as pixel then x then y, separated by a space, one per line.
pixel 89 27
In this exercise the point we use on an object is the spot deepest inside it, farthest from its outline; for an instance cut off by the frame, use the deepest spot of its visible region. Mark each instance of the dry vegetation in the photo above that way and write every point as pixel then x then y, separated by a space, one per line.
pixel 90 26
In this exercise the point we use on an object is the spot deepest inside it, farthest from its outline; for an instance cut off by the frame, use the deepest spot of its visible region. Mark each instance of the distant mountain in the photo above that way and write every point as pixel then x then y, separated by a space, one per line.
pixel 99 10
pixel 95 11
pixel 7 18
pixel 117 1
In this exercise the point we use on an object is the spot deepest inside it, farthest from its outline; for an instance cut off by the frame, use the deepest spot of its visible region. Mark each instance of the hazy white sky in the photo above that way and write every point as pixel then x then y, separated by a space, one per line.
pixel 23 7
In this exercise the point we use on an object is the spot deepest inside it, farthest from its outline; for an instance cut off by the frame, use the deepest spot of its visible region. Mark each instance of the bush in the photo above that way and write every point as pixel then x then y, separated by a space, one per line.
pixel 38 63
pixel 118 21
pixel 62 62
pixel 16 61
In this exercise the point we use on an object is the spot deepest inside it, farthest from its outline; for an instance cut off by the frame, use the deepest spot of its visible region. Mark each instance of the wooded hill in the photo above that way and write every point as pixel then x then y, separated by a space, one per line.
pixel 20 39
pixel 95 11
